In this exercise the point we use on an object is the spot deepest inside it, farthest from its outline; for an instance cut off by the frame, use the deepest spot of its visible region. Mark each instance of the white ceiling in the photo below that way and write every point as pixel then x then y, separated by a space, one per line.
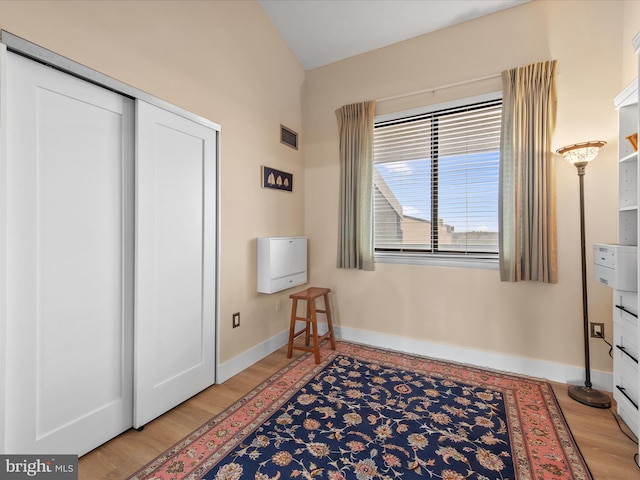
pixel 320 32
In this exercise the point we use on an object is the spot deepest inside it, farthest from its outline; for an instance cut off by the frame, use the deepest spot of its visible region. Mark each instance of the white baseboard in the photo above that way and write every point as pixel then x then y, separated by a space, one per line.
pixel 552 371
pixel 247 358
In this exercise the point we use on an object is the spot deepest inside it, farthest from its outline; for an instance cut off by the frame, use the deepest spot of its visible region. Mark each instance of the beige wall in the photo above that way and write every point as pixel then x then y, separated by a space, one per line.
pixel 466 307
pixel 226 62
pixel 630 28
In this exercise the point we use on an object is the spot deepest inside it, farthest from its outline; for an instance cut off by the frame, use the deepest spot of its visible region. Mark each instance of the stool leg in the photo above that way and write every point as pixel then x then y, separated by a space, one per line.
pixel 292 327
pixel 327 307
pixel 307 327
pixel 314 327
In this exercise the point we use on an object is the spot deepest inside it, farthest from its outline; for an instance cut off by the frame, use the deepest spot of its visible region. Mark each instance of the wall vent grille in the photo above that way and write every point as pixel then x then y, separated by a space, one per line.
pixel 288 137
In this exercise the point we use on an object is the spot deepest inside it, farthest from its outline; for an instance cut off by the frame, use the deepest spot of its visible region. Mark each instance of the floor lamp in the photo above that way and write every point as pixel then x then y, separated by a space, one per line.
pixel 580 155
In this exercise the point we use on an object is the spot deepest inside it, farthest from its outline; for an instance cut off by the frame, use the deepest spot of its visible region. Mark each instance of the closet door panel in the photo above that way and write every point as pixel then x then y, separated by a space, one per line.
pixel 75 266
pixel 69 268
pixel 175 260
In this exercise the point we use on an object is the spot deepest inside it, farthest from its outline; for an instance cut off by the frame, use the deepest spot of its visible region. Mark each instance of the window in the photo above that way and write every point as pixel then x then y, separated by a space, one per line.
pixel 436 182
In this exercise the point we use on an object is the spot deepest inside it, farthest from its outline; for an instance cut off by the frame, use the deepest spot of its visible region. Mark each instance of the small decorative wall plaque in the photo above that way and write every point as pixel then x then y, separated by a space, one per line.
pixel 272 178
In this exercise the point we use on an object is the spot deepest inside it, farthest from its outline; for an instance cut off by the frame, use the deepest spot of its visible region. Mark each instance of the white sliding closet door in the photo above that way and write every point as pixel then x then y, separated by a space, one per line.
pixel 69 241
pixel 175 265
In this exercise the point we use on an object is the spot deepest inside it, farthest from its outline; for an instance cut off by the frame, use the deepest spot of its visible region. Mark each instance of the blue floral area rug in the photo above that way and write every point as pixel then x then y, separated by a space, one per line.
pixel 371 414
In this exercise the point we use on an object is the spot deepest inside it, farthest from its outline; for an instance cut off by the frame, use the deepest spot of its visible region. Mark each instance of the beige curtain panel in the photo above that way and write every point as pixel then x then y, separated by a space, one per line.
pixel 355 229
pixel 527 199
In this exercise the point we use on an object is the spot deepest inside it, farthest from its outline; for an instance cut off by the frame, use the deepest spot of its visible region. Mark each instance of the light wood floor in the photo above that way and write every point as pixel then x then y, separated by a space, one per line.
pixel 607 451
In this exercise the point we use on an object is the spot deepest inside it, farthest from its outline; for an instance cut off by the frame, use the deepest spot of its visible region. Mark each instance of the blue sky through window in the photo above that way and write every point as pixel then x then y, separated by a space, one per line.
pixel 467 189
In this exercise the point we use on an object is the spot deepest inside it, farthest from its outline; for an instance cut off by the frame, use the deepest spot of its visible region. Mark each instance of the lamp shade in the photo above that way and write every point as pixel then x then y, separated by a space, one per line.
pixel 581 153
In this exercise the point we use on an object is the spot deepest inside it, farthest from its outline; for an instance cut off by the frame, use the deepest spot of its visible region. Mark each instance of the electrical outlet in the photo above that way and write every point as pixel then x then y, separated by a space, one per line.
pixel 597 330
pixel 278 305
pixel 236 319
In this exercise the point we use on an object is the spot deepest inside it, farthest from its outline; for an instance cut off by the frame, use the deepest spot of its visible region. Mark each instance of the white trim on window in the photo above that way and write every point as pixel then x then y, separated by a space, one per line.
pixel 486 97
pixel 488 262
pixel 400 141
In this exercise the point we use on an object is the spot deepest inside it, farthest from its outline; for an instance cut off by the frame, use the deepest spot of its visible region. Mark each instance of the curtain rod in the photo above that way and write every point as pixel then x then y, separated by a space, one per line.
pixel 441 87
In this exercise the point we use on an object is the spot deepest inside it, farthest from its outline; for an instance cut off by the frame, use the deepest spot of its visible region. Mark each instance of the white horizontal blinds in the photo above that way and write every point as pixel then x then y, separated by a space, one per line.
pixel 469 154
pixel 439 165
pixel 402 175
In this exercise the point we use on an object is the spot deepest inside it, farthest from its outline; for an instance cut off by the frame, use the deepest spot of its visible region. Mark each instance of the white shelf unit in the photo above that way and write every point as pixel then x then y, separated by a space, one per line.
pixel 626 334
pixel 625 358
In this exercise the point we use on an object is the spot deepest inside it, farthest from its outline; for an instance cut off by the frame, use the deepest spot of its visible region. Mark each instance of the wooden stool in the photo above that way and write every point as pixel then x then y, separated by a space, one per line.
pixel 311 326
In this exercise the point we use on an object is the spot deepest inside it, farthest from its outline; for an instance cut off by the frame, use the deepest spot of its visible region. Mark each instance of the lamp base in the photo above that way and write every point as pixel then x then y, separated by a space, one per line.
pixel 589 396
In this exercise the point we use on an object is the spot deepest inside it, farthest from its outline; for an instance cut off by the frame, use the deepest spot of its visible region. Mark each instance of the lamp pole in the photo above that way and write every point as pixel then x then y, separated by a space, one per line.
pixel 586 394
pixel 585 307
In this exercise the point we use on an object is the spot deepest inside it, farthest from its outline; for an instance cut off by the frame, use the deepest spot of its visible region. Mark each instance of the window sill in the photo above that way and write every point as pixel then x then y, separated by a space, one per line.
pixel 487 262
